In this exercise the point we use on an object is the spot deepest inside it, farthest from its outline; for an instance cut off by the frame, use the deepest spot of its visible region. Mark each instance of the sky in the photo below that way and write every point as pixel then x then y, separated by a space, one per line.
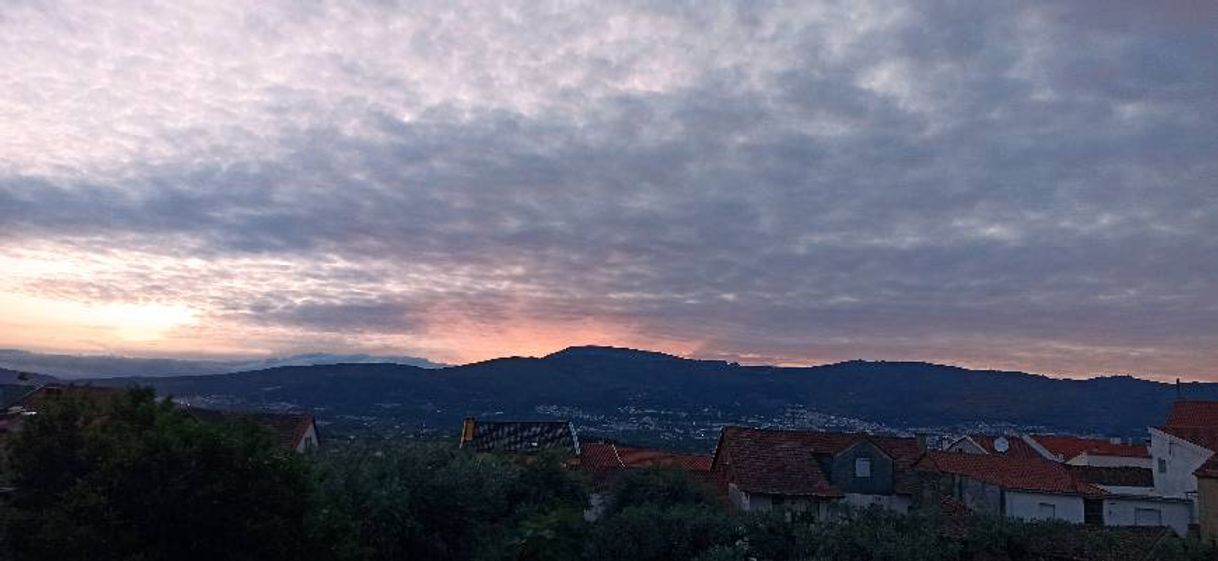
pixel 1011 184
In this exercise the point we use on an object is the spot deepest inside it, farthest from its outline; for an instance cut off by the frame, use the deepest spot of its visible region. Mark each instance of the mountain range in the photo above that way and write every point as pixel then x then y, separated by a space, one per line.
pixel 103 366
pixel 647 395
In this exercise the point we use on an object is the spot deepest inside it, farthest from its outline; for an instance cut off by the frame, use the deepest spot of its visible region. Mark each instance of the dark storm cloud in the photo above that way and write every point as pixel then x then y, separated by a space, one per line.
pixel 934 178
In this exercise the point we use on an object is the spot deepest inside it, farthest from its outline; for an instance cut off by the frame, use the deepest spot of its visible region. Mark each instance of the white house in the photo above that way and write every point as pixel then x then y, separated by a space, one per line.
pixel 1181 447
pixel 1017 487
pixel 1031 488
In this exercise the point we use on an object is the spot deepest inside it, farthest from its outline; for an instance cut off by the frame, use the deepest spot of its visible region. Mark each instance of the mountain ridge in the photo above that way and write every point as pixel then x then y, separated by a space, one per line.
pixel 618 392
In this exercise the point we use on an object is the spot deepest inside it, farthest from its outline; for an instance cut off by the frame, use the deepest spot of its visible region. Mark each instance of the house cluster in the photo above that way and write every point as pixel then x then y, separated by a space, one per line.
pixel 1172 482
pixel 19 403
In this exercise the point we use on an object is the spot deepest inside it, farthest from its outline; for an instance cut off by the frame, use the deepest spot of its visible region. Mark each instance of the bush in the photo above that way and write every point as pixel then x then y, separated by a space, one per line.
pixel 134 478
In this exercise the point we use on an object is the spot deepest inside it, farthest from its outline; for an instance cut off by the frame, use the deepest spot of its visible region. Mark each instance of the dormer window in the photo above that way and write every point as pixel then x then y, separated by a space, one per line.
pixel 862 467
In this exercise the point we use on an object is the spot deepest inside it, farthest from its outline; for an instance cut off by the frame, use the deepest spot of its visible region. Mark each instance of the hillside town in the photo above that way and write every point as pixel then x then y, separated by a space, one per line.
pixel 1169 482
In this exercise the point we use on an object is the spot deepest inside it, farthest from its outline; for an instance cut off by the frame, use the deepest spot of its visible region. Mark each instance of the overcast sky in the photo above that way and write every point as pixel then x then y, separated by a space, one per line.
pixel 1026 185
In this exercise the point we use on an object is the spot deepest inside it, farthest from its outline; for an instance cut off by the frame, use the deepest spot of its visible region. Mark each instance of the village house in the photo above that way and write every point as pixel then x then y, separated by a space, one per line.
pixel 1184 462
pixel 604 462
pixel 519 437
pixel 811 472
pixel 1073 450
pixel 608 459
pixel 1035 488
pixel 1096 452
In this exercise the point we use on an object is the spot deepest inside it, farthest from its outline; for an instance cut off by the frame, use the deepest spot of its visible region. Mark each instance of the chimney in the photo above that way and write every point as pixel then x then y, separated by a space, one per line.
pixel 922 439
pixel 467 430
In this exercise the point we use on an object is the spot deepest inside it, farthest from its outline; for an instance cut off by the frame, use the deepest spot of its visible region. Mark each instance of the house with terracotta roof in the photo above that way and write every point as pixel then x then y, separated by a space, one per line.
pixel 811 472
pixel 1038 489
pixel 1185 465
pixel 606 459
pixel 604 462
pixel 1098 452
pixel 1014 445
pixel 1074 450
pixel 1004 474
pixel 1018 487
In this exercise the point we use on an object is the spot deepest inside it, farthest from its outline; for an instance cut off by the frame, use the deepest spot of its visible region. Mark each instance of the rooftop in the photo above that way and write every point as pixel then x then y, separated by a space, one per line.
pixel 1024 474
pixel 782 462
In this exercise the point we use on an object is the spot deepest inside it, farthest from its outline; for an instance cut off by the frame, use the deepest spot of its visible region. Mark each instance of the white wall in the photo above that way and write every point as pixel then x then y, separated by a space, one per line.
pixel 966 445
pixel 1121 511
pixel 1182 459
pixel 1026 505
pixel 1098 460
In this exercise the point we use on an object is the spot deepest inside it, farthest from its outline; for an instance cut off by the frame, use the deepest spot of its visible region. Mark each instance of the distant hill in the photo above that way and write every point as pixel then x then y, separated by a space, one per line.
pixel 10 377
pixel 102 366
pixel 622 391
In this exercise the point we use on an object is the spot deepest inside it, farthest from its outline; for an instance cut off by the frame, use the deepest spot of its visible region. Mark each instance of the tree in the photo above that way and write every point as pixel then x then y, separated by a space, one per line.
pixel 133 478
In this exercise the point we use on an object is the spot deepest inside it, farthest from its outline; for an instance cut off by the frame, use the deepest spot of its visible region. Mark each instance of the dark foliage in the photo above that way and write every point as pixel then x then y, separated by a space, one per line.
pixel 136 479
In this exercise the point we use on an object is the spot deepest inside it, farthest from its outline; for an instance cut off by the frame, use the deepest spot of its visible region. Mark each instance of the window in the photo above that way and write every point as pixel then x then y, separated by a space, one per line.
pixel 1147 517
pixel 862 467
pixel 1093 512
pixel 1162 466
pixel 1046 510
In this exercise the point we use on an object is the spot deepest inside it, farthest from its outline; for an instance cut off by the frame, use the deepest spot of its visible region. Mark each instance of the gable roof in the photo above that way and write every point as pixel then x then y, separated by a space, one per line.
pixel 1068 447
pixel 523 436
pixel 600 456
pixel 1195 421
pixel 779 462
pixel 1016 446
pixel 1193 413
pixel 1023 474
pixel 288 429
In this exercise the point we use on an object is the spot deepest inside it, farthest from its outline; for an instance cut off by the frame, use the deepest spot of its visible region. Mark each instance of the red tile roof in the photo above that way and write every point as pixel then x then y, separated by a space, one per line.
pixel 609 456
pixel 1024 474
pixel 1196 421
pixel 1071 446
pixel 780 462
pixel 1193 413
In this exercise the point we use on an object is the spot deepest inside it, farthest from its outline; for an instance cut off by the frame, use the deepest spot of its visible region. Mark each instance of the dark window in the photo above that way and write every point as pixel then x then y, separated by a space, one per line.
pixel 1093 512
pixel 1162 465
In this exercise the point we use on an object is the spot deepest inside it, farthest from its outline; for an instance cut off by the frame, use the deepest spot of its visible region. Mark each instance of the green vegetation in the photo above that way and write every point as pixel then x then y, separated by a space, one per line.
pixel 136 480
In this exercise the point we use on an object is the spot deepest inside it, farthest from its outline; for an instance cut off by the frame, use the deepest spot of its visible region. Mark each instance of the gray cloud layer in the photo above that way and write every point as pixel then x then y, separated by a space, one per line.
pixel 1011 184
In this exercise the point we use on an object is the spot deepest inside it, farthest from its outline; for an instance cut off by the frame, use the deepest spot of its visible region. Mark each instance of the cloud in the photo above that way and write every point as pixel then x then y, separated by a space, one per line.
pixel 1016 186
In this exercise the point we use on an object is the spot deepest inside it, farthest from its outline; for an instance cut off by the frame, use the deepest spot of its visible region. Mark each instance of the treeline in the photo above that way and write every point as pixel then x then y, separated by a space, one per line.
pixel 137 480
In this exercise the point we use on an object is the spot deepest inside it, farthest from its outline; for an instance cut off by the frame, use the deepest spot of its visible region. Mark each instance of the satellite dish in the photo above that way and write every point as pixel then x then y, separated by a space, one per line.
pixel 1001 444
